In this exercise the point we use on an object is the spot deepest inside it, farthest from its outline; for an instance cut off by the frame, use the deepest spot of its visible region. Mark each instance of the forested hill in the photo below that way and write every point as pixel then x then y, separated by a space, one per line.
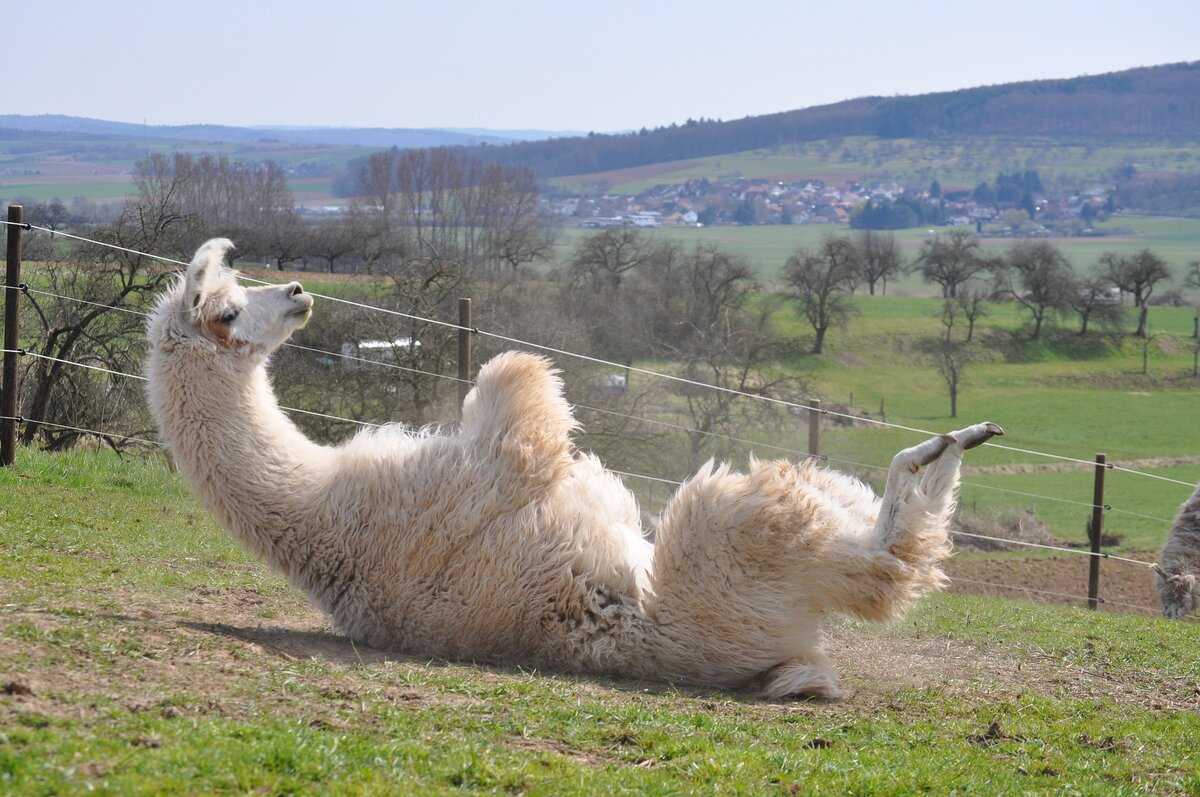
pixel 1147 102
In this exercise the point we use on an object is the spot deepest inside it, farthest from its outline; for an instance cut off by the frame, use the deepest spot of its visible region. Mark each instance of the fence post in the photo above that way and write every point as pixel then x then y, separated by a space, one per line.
pixel 8 393
pixel 814 427
pixel 464 351
pixel 1095 528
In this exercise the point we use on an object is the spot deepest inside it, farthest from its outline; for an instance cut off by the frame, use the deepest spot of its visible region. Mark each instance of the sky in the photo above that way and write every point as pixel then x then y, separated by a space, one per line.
pixel 562 65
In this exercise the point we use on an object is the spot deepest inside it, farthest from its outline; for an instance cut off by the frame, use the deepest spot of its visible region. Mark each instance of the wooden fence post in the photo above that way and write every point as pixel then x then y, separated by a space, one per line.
pixel 8 392
pixel 814 427
pixel 464 351
pixel 1095 528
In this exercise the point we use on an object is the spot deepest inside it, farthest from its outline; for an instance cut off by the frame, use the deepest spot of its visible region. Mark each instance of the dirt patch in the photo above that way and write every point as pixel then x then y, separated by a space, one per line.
pixel 1063 580
pixel 209 652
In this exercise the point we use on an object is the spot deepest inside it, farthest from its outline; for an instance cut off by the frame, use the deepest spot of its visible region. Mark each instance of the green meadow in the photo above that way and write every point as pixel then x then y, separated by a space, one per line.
pixel 957 163
pixel 767 247
pixel 142 652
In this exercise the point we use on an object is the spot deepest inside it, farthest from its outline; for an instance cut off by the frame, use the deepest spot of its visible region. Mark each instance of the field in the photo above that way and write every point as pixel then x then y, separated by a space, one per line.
pixel 102 170
pixel 960 163
pixel 142 652
pixel 768 247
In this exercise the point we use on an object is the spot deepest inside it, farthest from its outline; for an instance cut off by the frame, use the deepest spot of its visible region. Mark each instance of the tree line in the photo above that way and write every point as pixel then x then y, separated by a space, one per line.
pixel 437 226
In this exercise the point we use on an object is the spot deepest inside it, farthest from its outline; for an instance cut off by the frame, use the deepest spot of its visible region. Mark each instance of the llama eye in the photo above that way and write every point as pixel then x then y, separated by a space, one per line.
pixel 229 317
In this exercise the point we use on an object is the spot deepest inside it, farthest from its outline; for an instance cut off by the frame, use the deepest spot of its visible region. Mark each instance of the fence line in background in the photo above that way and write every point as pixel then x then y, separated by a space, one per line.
pixel 799 454
pixel 9 420
pixel 600 361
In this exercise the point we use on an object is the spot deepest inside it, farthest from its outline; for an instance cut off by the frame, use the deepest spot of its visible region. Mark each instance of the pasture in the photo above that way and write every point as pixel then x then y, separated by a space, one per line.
pixel 767 247
pixel 957 163
pixel 142 652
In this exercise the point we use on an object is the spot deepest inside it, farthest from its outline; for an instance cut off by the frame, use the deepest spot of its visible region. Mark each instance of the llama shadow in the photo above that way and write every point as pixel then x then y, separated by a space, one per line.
pixel 298 645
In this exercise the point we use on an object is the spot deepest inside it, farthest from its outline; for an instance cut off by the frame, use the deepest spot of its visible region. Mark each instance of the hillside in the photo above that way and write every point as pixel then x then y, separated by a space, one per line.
pixel 1159 101
pixel 327 136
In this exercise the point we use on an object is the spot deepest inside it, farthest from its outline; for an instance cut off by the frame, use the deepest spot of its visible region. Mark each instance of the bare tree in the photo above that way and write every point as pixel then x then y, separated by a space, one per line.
pixel 1092 300
pixel 878 258
pixel 950 356
pixel 1039 278
pixel 823 281
pixel 601 260
pixel 98 324
pixel 972 301
pixel 951 359
pixel 1136 274
pixel 445 203
pixel 950 260
pixel 331 241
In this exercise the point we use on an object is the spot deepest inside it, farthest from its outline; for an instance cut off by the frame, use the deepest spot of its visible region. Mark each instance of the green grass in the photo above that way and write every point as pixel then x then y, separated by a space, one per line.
pixel 767 247
pixel 122 608
pixel 956 162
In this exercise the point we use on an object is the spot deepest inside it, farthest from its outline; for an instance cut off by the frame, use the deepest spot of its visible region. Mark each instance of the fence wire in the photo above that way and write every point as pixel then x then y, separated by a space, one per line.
pixel 669 377
pixel 621 366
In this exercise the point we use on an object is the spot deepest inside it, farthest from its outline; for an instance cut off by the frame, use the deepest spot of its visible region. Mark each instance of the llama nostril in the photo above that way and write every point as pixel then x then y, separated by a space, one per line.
pixel 296 290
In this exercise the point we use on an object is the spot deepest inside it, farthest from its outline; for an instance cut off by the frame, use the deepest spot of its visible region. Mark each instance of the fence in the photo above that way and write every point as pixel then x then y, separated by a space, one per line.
pixel 10 419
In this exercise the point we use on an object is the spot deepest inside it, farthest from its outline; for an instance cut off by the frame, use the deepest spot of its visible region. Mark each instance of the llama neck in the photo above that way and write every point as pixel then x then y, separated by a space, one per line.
pixel 245 459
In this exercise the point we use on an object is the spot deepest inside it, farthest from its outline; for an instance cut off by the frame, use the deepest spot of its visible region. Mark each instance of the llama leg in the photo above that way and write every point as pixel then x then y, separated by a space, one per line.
pixel 910 503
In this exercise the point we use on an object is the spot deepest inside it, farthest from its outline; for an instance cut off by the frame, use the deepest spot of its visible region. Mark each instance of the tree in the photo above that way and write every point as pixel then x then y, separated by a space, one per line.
pixel 331 241
pixel 823 281
pixel 1039 278
pixel 1192 280
pixel 100 325
pixel 48 214
pixel 948 355
pixel 1093 300
pixel 602 260
pixel 878 258
pixel 1136 274
pixel 972 304
pixel 950 260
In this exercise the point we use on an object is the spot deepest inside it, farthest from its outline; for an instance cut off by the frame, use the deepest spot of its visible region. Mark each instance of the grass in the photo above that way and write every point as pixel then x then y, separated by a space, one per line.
pixel 767 247
pixel 958 163
pixel 144 653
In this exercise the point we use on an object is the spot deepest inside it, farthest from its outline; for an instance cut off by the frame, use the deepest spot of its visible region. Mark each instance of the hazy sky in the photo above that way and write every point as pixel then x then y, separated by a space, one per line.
pixel 562 65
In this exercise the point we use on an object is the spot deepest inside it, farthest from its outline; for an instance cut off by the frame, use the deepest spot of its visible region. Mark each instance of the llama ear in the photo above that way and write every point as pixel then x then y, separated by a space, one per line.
pixel 208 261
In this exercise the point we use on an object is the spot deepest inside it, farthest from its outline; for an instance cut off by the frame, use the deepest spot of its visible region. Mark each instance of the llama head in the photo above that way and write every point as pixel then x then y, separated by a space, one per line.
pixel 1177 592
pixel 211 309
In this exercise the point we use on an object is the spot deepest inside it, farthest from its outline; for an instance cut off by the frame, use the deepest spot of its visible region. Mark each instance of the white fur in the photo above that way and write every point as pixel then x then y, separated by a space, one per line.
pixel 502 543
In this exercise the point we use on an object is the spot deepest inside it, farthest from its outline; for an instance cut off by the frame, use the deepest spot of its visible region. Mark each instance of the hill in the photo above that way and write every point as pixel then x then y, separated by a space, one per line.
pixel 327 136
pixel 1159 101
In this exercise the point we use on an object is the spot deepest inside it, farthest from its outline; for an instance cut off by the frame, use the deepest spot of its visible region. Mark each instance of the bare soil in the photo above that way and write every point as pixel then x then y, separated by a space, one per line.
pixel 221 652
pixel 1123 586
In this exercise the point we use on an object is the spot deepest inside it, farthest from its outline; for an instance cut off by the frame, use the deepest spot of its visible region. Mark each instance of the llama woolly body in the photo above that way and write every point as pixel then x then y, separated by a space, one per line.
pixel 500 542
pixel 1178 565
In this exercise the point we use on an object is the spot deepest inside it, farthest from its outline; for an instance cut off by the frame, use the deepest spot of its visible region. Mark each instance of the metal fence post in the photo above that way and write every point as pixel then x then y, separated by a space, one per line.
pixel 8 392
pixel 465 329
pixel 1095 528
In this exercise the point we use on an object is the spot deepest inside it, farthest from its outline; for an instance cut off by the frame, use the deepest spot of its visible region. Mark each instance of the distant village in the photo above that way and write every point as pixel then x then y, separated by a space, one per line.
pixel 1011 211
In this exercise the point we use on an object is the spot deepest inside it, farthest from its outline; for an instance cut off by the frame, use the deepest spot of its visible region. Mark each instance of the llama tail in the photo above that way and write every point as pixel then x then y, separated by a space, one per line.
pixel 517 406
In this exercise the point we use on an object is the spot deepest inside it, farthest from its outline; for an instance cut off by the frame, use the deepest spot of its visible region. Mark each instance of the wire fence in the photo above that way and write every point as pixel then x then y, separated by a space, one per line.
pixel 753 445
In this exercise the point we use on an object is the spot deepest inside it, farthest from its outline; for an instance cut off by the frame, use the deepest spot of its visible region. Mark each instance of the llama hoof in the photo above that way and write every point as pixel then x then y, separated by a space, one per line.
pixel 792 681
pixel 977 435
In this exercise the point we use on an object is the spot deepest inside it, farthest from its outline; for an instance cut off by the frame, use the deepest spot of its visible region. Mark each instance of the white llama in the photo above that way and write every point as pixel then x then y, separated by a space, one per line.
pixel 1178 567
pixel 501 543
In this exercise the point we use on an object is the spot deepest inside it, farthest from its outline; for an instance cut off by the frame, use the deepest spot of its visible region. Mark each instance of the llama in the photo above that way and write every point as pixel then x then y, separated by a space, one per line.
pixel 1179 562
pixel 500 543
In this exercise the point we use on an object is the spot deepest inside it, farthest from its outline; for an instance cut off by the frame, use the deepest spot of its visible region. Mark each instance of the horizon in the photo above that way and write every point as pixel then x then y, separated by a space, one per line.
pixel 548 67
